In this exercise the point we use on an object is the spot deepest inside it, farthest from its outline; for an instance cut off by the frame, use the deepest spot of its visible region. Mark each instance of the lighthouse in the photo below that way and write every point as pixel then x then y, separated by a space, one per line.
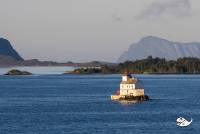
pixel 129 89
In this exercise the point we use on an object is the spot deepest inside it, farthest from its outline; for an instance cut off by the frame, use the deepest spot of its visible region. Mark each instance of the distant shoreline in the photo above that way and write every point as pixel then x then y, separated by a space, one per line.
pixel 36 66
pixel 148 66
pixel 69 70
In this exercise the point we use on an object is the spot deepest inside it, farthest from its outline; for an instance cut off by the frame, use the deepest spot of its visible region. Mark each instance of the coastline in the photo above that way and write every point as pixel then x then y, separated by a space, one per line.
pixel 154 66
pixel 65 70
pixel 39 70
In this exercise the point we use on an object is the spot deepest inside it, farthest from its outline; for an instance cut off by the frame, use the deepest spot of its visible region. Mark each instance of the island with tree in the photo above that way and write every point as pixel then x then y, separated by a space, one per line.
pixel 150 65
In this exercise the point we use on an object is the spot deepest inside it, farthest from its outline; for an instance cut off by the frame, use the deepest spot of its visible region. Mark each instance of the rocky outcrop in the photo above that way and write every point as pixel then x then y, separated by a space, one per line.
pixel 136 98
pixel 17 72
pixel 129 98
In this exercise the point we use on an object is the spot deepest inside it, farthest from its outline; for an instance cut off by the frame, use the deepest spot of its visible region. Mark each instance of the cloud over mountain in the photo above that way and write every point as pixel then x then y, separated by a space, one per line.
pixel 163 8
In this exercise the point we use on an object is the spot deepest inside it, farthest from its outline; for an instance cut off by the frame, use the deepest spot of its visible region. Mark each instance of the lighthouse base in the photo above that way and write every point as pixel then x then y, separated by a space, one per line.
pixel 130 98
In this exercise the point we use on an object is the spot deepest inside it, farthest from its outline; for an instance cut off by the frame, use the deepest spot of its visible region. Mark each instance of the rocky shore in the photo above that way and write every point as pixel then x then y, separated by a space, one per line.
pixel 136 98
pixel 130 98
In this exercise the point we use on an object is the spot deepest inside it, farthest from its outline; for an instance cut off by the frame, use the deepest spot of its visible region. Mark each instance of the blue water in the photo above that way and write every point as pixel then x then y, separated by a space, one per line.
pixel 80 104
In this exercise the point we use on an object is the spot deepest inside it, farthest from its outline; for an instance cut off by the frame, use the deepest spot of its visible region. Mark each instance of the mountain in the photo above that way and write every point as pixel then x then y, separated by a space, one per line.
pixel 8 52
pixel 7 60
pixel 10 57
pixel 159 47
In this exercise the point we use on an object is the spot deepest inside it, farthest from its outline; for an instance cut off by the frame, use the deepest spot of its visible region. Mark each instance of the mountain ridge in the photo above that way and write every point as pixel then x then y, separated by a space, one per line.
pixel 10 57
pixel 7 50
pixel 160 47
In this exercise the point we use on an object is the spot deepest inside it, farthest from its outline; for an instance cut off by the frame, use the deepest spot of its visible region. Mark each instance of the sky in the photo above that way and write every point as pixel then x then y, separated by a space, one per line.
pixel 88 30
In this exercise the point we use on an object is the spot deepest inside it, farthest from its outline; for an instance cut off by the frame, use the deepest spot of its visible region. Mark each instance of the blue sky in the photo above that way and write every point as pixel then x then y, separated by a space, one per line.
pixel 86 30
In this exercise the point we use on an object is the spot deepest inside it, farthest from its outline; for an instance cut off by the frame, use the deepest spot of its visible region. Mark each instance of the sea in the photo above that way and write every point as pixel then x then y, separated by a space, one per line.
pixel 49 102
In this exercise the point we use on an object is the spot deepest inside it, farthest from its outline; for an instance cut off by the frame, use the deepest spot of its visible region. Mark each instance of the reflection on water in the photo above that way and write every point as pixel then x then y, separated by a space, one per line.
pixel 125 102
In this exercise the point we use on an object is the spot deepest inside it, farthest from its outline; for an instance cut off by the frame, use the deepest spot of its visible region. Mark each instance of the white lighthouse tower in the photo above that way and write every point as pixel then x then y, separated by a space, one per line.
pixel 128 88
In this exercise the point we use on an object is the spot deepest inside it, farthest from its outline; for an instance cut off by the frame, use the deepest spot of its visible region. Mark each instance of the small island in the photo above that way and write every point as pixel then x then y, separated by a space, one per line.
pixel 86 70
pixel 17 72
pixel 129 90
pixel 103 69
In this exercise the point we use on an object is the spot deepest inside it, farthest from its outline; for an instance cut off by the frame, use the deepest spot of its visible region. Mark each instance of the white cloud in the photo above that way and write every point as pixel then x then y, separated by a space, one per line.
pixel 164 8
